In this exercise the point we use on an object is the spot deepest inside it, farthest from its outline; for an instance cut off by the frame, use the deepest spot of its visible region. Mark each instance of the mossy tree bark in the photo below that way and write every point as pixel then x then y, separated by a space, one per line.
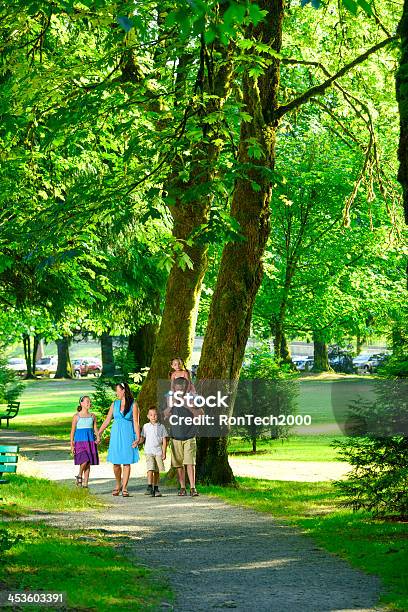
pixel 241 270
pixel 176 333
pixel 64 368
pixel 402 99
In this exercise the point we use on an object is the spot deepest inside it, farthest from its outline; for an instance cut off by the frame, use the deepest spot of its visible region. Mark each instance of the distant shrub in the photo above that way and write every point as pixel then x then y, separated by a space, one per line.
pixel 11 387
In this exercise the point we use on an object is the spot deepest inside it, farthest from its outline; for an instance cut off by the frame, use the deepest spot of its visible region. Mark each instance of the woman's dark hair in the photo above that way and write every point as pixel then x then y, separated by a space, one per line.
pixel 128 396
pixel 81 399
pixel 183 365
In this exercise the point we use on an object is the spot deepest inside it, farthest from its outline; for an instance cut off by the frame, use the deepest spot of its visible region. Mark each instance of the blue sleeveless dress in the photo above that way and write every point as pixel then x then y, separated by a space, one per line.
pixel 122 436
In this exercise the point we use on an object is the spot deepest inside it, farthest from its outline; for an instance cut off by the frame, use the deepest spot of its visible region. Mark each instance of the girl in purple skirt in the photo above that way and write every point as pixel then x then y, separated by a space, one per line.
pixel 84 438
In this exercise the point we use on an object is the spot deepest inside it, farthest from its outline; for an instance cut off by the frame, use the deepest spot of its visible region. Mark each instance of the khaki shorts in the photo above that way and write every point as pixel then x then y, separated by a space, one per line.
pixel 154 463
pixel 183 452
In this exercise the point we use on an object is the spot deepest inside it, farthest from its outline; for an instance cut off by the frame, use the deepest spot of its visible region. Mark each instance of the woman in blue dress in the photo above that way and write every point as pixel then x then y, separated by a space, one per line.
pixel 124 438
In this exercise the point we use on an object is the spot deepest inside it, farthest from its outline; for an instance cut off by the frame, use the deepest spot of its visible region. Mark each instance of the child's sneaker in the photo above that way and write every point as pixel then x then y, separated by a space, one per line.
pixel 149 490
pixel 156 492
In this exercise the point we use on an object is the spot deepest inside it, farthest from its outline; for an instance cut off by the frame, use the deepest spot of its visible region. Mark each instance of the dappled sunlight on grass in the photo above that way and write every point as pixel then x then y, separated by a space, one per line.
pixel 26 494
pixel 91 571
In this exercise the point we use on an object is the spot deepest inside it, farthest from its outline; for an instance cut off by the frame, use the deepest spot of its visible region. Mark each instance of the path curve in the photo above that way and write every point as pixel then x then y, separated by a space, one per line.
pixel 216 556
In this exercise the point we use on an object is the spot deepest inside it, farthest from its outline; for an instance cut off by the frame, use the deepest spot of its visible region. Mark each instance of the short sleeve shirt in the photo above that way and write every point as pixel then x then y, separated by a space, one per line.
pixel 153 435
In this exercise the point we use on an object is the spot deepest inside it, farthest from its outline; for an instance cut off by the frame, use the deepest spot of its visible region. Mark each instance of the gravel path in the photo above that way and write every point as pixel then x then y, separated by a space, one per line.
pixel 215 555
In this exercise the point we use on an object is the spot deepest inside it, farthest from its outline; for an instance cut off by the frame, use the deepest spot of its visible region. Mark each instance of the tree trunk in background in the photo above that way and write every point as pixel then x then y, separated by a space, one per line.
pixel 281 349
pixel 285 350
pixel 28 357
pixel 64 369
pixel 40 350
pixel 240 272
pixel 108 360
pixel 36 346
pixel 321 358
pixel 141 345
pixel 402 99
pixel 175 337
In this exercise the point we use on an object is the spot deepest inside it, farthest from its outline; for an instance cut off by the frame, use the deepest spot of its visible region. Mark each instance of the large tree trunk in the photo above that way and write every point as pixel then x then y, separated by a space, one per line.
pixel 64 368
pixel 321 358
pixel 402 99
pixel 241 270
pixel 108 360
pixel 176 334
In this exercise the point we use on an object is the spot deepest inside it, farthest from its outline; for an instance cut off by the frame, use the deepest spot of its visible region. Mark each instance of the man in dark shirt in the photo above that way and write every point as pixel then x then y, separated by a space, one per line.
pixel 180 413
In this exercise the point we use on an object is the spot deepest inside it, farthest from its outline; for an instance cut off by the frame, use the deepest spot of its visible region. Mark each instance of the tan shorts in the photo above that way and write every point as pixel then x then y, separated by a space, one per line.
pixel 183 452
pixel 154 463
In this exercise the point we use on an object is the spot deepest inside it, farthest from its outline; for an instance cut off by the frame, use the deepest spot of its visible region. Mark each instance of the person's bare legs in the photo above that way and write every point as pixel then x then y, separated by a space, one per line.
pixel 191 475
pixel 85 474
pixel 126 476
pixel 181 475
pixel 117 470
pixel 150 477
pixel 156 477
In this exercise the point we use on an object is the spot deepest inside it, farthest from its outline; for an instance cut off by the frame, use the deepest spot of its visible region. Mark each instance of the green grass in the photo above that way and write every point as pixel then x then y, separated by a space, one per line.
pixel 376 546
pixel 295 448
pixel 93 571
pixel 52 397
pixel 26 494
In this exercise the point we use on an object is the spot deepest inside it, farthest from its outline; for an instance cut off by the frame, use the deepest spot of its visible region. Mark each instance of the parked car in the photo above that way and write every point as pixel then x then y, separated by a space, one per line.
pixel 86 365
pixel 18 366
pixel 46 366
pixel 303 363
pixel 366 363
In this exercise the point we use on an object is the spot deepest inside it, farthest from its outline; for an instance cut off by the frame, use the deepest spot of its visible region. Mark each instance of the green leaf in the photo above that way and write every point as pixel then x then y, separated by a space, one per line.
pixel 351 6
pixel 366 7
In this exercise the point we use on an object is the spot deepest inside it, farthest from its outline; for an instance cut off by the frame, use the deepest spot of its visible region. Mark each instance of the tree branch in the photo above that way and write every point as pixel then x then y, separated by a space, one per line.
pixel 317 90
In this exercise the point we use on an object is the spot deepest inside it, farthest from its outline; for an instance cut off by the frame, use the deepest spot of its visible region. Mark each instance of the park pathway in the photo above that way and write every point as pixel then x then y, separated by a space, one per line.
pixel 215 556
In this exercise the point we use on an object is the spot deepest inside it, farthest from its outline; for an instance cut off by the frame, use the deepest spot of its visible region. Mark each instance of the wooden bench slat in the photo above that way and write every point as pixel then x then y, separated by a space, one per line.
pixel 9 449
pixel 8 459
pixel 8 468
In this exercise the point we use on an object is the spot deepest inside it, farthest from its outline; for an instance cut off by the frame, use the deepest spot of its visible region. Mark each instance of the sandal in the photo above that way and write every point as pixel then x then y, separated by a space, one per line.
pixel 125 493
pixel 115 492
pixel 78 481
pixel 193 492
pixel 182 492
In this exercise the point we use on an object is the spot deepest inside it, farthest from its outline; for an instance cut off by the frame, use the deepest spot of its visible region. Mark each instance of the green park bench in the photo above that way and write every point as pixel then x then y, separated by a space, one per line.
pixel 8 461
pixel 11 412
